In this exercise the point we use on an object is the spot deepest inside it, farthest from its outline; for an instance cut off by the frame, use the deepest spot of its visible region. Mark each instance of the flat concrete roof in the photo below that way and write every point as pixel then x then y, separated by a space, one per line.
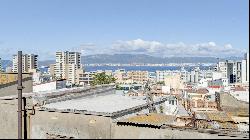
pixel 103 103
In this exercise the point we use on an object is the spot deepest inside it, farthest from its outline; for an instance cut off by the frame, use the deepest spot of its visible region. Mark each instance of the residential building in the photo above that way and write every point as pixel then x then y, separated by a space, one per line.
pixel 235 71
pixel 66 65
pixel 0 65
pixel 152 76
pixel 174 82
pixel 84 78
pixel 29 62
pixel 244 71
pixel 238 69
pixel 161 75
pixel 138 76
pixel 184 75
pixel 247 58
pixel 245 68
pixel 222 67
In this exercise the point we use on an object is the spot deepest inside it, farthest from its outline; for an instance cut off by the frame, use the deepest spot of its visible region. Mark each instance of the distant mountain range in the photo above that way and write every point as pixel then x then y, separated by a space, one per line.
pixel 133 58
pixel 141 58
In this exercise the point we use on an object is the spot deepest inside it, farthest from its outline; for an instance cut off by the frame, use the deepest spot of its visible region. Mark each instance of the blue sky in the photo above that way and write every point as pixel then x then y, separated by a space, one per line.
pixel 154 27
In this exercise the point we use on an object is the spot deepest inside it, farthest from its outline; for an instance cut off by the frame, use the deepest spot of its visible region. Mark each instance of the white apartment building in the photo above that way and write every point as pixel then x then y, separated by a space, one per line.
pixel 245 68
pixel 66 65
pixel 246 57
pixel 29 62
pixel 244 71
pixel 235 71
pixel 0 65
pixel 161 75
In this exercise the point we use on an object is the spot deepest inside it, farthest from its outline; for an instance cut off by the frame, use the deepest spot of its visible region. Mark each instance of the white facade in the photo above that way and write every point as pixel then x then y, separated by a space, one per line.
pixel 29 61
pixel 45 87
pixel 247 62
pixel 161 75
pixel 50 86
pixel 0 65
pixel 171 107
pixel 165 89
pixel 217 75
pixel 244 71
pixel 222 67
pixel 203 83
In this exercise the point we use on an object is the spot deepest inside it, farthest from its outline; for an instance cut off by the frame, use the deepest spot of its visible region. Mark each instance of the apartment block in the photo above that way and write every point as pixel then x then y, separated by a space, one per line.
pixel 246 57
pixel 29 62
pixel 1 65
pixel 84 78
pixel 66 65
pixel 161 75
pixel 138 76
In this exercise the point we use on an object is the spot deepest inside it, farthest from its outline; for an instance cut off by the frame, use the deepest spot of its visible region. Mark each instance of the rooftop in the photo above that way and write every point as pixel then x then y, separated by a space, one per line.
pixel 149 119
pixel 107 103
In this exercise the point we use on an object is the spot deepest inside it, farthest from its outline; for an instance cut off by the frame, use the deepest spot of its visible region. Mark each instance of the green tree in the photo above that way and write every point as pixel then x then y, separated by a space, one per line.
pixel 161 83
pixel 161 109
pixel 102 78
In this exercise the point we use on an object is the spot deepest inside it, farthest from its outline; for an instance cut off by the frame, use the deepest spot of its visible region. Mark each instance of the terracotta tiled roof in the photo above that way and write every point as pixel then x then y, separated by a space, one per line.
pixel 214 86
pixel 201 91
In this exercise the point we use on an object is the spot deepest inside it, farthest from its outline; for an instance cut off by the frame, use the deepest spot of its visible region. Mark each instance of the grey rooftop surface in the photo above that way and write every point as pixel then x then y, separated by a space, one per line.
pixel 105 103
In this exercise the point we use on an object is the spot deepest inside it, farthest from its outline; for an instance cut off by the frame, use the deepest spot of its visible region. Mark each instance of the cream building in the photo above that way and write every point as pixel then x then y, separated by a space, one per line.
pixel 0 65
pixel 29 61
pixel 138 76
pixel 66 65
pixel 174 82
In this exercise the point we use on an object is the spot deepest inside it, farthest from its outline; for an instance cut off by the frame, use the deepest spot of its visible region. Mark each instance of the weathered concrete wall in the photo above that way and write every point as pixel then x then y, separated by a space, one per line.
pixel 12 89
pixel 45 125
pixel 8 118
pixel 132 132
pixel 69 125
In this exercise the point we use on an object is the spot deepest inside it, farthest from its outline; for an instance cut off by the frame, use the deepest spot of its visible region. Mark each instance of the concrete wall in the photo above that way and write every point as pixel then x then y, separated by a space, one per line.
pixel 69 125
pixel 45 125
pixel 8 118
pixel 8 83
pixel 132 132
pixel 44 87
pixel 12 89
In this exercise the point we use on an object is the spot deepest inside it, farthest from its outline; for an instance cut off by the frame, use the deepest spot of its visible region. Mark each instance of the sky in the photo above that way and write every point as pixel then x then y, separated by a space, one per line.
pixel 162 28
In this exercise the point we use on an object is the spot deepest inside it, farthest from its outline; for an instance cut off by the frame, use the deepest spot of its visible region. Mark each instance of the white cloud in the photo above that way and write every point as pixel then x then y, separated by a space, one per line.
pixel 178 49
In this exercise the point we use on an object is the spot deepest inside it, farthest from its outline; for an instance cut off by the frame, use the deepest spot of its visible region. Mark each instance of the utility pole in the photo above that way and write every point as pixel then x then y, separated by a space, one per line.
pixel 19 88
